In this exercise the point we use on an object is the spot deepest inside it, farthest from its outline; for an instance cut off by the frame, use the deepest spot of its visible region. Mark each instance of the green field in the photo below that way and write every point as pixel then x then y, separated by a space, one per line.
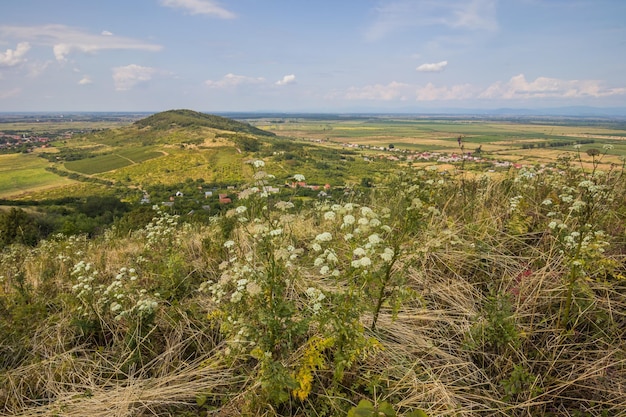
pixel 505 139
pixel 20 173
pixel 109 162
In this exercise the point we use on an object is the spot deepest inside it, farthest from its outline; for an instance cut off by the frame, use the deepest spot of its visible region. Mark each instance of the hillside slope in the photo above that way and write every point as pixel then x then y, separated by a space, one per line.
pixel 189 118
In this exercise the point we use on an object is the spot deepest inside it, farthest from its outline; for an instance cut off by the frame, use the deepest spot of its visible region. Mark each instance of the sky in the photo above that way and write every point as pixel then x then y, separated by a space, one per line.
pixel 311 56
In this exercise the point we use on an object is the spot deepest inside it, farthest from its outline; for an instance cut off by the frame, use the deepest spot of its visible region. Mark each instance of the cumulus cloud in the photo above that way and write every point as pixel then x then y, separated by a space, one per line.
pixel 456 14
pixel 127 77
pixel 233 80
pixel 430 92
pixel 436 67
pixel 85 81
pixel 106 33
pixel 65 40
pixel 392 91
pixel 287 79
pixel 11 57
pixel 520 88
pixel 207 7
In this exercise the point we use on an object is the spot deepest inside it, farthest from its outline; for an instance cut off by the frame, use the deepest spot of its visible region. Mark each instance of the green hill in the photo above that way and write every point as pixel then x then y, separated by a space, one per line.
pixel 189 118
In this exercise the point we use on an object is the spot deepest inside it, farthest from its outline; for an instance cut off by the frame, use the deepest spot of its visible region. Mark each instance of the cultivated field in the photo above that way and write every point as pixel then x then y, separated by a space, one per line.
pixel 503 140
pixel 20 173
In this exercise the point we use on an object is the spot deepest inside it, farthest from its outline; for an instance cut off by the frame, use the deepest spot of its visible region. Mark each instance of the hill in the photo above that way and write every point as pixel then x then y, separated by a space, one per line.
pixel 188 118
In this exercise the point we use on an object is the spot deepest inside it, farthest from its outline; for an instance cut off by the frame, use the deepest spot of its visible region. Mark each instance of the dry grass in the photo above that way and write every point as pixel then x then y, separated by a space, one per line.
pixel 431 357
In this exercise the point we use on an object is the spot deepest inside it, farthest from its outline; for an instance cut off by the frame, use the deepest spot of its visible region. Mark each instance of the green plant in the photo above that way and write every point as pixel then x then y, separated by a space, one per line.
pixel 366 409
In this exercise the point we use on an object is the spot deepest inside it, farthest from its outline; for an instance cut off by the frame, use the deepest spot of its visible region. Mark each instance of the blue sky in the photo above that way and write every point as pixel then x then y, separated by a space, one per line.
pixel 317 56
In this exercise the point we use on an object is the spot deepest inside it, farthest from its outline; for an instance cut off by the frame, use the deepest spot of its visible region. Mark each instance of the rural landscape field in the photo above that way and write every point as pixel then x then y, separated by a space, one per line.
pixel 188 264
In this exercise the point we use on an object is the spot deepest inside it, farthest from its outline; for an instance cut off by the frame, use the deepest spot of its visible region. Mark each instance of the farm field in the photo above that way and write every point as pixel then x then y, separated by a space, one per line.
pixel 112 161
pixel 506 140
pixel 20 173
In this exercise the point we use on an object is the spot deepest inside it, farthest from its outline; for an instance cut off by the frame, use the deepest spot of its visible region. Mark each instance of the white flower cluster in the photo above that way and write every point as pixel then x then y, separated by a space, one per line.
pixel 514 203
pixel 315 297
pixel 361 227
pixel 121 298
pixel 85 275
pixel 161 229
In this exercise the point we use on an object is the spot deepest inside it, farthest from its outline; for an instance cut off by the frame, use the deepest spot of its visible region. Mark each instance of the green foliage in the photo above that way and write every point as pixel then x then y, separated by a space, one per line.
pixel 495 331
pixel 18 227
pixel 366 409
pixel 520 385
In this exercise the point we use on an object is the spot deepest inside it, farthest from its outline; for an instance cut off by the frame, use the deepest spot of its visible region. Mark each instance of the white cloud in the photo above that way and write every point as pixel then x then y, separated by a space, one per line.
pixel 65 40
pixel 12 57
pixel 392 91
pixel 519 88
pixel 456 92
pixel 85 81
pixel 207 7
pixel 456 14
pixel 287 79
pixel 233 80
pixel 516 88
pixel 106 33
pixel 127 77
pixel 436 67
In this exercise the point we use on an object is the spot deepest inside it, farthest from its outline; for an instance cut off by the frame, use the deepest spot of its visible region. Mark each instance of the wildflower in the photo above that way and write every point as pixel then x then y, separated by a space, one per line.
pixel 552 225
pixel 298 177
pixel 607 147
pixel 577 146
pixel 284 205
pixel 367 212
pixel 316 247
pixel 329 215
pixel 387 255
pixel 229 244
pixel 253 288
pixel 276 232
pixel 363 221
pixel 236 297
pixel 375 223
pixel 348 219
pixel 374 239
pixel 241 209
pixel 258 163
pixel 359 252
pixel 546 202
pixel 324 270
pixel 363 262
pixel 331 257
pixel 324 237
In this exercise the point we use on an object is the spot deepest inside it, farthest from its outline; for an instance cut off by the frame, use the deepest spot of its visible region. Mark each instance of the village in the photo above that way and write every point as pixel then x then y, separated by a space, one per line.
pixel 22 143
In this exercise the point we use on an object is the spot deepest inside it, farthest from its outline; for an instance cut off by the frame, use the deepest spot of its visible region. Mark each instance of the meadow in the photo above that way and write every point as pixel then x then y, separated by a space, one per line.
pixel 424 295
pixel 22 174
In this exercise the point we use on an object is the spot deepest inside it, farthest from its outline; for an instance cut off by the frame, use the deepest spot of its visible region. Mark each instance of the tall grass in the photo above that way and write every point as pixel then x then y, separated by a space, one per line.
pixel 466 305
